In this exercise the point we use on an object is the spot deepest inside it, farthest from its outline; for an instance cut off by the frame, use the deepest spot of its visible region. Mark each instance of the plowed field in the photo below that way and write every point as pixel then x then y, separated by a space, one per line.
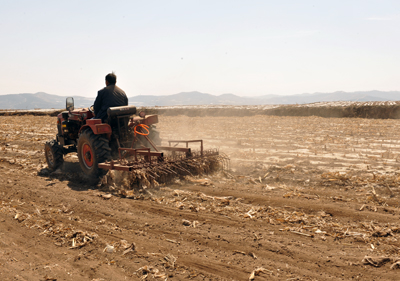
pixel 304 198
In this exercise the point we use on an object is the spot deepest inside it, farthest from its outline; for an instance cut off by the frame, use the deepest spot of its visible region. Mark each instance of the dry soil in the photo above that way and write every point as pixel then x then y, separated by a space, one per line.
pixel 304 198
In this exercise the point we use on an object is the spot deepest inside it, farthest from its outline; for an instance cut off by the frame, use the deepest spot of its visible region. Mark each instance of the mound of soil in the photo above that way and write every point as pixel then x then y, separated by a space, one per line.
pixel 356 110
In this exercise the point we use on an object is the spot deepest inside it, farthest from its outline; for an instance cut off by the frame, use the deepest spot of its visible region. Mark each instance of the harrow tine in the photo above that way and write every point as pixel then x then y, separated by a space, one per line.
pixel 181 168
pixel 171 171
pixel 146 173
pixel 190 164
pixel 154 173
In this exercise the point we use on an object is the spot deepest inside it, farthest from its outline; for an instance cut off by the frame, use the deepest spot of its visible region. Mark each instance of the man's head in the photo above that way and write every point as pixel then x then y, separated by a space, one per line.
pixel 111 79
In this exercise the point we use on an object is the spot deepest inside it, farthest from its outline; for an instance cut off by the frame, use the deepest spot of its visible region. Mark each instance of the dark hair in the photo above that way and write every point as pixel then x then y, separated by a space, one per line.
pixel 111 78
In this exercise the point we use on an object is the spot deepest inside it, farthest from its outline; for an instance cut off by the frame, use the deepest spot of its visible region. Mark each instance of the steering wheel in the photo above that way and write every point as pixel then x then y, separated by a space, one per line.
pixel 91 109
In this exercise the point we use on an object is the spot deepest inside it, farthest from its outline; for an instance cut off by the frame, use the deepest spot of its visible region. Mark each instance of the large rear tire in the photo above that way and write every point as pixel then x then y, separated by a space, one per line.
pixel 92 150
pixel 54 154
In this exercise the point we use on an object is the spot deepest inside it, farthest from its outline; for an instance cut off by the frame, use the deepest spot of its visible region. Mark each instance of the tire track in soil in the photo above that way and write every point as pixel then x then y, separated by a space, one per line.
pixel 339 210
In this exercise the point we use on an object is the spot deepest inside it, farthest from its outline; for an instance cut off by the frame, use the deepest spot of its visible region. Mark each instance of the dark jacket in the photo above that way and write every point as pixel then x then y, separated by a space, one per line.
pixel 108 97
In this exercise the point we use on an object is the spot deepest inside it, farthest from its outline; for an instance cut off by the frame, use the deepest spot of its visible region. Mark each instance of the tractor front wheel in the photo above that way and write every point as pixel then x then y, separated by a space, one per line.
pixel 54 154
pixel 92 150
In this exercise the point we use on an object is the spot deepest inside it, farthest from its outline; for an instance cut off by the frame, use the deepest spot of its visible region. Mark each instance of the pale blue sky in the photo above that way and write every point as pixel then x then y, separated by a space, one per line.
pixel 247 48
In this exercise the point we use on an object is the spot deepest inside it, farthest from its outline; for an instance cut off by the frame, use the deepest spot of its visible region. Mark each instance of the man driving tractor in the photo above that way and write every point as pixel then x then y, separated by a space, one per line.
pixel 109 96
pixel 117 139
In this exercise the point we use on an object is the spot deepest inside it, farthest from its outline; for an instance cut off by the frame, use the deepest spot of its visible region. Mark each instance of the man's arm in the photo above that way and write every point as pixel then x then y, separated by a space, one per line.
pixel 98 102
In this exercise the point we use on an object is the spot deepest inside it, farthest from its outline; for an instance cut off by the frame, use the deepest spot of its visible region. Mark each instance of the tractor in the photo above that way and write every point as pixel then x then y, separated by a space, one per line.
pixel 95 141
pixel 126 142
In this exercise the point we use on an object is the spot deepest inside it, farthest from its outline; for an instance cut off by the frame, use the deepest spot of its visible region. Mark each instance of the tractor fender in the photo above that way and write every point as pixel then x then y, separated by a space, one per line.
pixel 147 120
pixel 150 120
pixel 97 127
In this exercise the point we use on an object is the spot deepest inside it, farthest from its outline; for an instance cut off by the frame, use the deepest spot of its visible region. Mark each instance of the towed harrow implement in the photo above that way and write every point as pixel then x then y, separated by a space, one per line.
pixel 158 166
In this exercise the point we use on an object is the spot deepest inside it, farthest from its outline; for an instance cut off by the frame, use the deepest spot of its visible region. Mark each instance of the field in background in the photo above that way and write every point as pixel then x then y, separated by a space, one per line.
pixel 306 198
pixel 375 110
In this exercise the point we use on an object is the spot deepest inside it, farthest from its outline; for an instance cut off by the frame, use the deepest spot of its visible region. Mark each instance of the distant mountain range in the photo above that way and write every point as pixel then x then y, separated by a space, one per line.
pixel 47 101
pixel 39 101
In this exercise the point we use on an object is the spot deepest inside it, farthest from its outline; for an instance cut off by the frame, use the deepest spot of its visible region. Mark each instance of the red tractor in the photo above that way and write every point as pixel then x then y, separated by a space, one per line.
pixel 97 142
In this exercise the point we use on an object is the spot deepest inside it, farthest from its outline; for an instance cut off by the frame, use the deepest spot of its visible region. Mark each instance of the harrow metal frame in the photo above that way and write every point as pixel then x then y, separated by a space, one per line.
pixel 146 162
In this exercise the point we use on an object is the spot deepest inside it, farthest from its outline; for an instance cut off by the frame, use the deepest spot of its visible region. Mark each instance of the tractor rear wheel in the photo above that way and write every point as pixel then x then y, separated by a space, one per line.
pixel 54 154
pixel 92 150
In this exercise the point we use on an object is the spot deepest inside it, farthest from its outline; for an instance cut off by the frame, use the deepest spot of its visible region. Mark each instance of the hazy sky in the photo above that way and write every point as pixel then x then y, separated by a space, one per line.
pixel 247 48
